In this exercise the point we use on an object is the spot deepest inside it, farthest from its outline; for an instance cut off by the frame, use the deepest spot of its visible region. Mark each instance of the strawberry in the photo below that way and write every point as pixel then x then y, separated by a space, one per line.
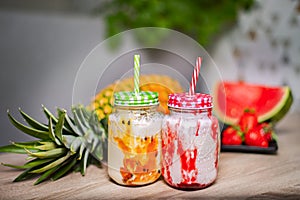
pixel 232 136
pixel 267 131
pixel 248 120
pixel 256 137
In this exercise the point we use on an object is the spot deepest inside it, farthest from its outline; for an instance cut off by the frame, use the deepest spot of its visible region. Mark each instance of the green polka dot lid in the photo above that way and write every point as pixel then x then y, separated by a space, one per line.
pixel 143 98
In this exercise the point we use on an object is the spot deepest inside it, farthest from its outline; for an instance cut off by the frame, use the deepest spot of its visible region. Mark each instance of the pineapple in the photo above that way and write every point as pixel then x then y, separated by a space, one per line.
pixel 164 85
pixel 64 144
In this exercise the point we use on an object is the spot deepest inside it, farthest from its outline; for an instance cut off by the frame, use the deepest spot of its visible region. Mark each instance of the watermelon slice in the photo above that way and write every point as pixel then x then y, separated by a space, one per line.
pixel 232 98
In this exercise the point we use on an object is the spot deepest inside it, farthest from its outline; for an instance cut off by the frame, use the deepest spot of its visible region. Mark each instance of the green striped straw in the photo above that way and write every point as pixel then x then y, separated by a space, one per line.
pixel 136 74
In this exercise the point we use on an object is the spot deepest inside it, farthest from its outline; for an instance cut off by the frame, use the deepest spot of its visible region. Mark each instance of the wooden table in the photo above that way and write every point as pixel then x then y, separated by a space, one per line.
pixel 241 175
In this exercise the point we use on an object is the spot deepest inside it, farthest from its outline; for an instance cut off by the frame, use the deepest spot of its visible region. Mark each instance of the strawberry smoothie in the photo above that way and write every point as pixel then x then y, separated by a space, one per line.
pixel 190 142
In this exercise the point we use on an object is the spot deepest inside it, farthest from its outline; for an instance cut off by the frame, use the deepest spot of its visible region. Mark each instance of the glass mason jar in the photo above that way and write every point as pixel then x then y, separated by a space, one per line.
pixel 190 142
pixel 134 139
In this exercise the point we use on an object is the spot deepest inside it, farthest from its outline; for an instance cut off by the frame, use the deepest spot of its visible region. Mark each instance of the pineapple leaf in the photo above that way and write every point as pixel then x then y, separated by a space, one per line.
pixel 30 164
pixel 67 140
pixel 52 134
pixel 96 126
pixel 86 113
pixel 55 119
pixel 89 136
pixel 78 122
pixel 13 149
pixel 47 174
pixel 98 152
pixel 76 144
pixel 94 145
pixel 59 126
pixel 83 119
pixel 104 123
pixel 84 162
pixel 28 130
pixel 46 145
pixel 32 143
pixel 71 125
pixel 25 175
pixel 67 126
pixel 28 145
pixel 52 164
pixel 14 166
pixel 49 115
pixel 29 157
pixel 32 122
pixel 47 154
pixel 82 147
pixel 36 162
pixel 64 169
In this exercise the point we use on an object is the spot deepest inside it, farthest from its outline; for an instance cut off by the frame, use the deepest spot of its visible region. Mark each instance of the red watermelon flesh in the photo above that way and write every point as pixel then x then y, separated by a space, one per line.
pixel 269 103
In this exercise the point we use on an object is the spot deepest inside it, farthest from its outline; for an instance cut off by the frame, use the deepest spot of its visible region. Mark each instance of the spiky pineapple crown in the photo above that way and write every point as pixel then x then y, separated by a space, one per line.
pixel 64 144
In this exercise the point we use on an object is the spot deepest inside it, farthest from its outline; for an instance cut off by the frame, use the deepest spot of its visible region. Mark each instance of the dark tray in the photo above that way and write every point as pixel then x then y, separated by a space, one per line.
pixel 272 149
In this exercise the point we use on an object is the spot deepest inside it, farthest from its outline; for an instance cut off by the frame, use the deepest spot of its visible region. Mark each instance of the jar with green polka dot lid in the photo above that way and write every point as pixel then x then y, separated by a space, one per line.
pixel 134 141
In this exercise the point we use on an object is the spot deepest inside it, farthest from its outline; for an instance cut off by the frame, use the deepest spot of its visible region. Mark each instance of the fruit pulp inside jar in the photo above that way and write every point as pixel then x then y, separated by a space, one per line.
pixel 134 141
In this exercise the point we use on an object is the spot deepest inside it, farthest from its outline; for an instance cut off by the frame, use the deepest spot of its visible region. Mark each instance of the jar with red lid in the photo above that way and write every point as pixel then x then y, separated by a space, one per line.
pixel 190 142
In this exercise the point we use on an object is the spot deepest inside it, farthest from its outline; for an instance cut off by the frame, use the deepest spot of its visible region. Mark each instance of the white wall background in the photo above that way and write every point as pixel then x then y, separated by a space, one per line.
pixel 39 58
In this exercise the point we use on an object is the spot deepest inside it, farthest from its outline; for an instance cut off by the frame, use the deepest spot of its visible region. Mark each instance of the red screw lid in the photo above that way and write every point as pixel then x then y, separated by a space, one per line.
pixel 186 101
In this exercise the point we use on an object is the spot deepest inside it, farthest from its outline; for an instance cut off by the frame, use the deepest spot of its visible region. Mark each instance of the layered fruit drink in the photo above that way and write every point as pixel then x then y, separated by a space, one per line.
pixel 134 145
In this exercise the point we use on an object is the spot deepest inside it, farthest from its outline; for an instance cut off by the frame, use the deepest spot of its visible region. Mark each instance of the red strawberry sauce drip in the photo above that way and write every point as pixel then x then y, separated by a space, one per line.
pixel 198 128
pixel 188 158
pixel 168 150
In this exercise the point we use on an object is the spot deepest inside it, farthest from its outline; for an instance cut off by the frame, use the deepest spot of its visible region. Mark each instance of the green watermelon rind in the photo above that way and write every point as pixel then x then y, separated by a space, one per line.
pixel 274 115
pixel 282 108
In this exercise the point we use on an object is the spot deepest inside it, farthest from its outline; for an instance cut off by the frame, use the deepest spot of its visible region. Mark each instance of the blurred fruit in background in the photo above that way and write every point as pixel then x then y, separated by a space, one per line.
pixel 164 85
pixel 269 103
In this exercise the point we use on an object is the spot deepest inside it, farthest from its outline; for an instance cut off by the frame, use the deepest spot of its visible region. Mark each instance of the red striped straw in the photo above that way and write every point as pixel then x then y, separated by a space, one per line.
pixel 195 76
